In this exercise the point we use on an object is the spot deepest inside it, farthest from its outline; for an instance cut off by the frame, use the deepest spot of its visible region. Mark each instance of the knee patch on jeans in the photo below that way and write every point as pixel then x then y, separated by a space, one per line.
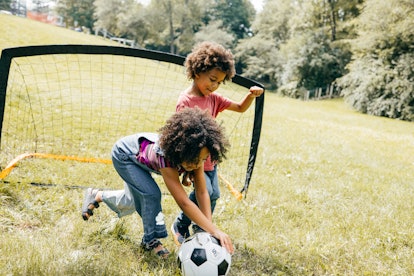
pixel 159 219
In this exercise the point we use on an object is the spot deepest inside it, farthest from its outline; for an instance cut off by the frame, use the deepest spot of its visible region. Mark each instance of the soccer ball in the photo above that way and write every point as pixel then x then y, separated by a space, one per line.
pixel 202 254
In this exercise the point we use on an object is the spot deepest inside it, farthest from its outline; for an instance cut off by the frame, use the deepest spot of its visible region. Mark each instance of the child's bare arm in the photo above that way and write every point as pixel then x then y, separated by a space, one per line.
pixel 172 181
pixel 201 192
pixel 174 186
pixel 243 105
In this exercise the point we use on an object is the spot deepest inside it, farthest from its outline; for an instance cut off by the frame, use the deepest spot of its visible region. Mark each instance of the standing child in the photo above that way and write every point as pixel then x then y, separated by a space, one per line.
pixel 208 65
pixel 183 144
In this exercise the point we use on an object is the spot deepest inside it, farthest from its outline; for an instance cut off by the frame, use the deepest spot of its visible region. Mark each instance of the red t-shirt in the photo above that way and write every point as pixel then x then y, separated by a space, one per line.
pixel 214 102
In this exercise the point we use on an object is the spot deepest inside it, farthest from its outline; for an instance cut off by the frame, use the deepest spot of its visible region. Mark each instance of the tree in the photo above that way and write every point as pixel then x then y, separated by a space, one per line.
pixel 106 16
pixel 257 56
pixel 236 16
pixel 333 16
pixel 298 39
pixel 173 24
pixel 84 13
pixel 191 22
pixel 381 77
pixel 131 22
pixel 176 25
pixel 311 61
pixel 213 32
pixel 76 13
pixel 5 5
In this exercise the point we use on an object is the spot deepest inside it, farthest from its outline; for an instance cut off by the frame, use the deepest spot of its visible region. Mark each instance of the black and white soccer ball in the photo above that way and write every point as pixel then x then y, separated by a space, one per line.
pixel 202 254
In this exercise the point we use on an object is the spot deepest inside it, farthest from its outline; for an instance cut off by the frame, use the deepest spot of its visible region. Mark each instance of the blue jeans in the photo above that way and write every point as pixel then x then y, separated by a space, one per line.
pixel 141 193
pixel 213 190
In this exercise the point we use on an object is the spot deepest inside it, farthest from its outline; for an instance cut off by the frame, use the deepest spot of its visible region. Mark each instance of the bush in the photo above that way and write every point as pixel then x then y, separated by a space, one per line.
pixel 375 88
pixel 311 61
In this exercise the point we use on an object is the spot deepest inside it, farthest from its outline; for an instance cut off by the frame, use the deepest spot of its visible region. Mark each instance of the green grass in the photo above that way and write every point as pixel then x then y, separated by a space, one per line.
pixel 16 31
pixel 332 194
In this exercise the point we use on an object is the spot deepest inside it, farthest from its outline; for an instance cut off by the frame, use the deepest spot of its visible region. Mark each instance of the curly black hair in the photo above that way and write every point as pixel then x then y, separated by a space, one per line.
pixel 187 132
pixel 207 56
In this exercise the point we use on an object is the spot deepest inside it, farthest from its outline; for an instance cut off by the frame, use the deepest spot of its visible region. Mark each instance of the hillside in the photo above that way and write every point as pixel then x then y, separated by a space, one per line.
pixel 17 31
pixel 331 194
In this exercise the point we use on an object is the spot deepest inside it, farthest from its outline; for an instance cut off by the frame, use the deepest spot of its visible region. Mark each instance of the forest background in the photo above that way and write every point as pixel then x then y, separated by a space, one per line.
pixel 362 48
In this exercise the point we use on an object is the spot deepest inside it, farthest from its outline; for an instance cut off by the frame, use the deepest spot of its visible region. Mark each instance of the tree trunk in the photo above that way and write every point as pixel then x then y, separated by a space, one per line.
pixel 332 19
pixel 169 9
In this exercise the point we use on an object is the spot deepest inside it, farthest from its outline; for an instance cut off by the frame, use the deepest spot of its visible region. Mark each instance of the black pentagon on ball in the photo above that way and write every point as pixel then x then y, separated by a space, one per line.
pixel 199 256
pixel 222 267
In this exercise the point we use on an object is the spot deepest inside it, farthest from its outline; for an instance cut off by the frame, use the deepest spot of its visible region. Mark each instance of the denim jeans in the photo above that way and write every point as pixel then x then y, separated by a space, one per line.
pixel 141 193
pixel 213 190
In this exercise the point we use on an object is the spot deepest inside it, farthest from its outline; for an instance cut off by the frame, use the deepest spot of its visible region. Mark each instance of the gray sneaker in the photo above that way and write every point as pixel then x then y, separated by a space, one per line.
pixel 89 203
pixel 180 233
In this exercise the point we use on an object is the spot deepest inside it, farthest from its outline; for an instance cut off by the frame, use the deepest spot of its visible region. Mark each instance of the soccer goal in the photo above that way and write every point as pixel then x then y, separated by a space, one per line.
pixel 62 107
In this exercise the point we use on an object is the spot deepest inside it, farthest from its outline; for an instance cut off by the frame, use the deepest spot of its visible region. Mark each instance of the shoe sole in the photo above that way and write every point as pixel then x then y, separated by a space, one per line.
pixel 89 199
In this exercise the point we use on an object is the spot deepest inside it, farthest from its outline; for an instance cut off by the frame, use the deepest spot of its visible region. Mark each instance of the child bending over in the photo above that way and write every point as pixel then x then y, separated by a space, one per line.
pixel 187 139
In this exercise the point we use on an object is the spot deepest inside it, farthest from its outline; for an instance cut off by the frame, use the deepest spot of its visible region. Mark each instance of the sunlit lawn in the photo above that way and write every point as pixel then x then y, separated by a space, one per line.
pixel 332 194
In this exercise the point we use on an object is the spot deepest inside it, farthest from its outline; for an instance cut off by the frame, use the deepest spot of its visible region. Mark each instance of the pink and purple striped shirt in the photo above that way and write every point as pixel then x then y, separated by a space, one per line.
pixel 151 158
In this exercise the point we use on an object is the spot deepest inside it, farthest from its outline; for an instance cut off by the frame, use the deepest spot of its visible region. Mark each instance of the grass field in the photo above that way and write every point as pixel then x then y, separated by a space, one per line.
pixel 332 194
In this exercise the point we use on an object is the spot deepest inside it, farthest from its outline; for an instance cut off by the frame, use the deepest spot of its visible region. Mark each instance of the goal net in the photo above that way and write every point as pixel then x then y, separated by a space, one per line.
pixel 62 107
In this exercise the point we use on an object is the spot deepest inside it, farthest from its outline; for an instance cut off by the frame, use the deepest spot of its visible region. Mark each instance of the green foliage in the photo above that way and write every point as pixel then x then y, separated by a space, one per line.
pixel 124 19
pixel 172 26
pixel 333 16
pixel 131 22
pixel 294 40
pixel 347 11
pixel 257 56
pixel 375 88
pixel 385 29
pixel 236 16
pixel 188 24
pixel 5 5
pixel 312 61
pixel 76 13
pixel 106 15
pixel 380 79
pixel 214 32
